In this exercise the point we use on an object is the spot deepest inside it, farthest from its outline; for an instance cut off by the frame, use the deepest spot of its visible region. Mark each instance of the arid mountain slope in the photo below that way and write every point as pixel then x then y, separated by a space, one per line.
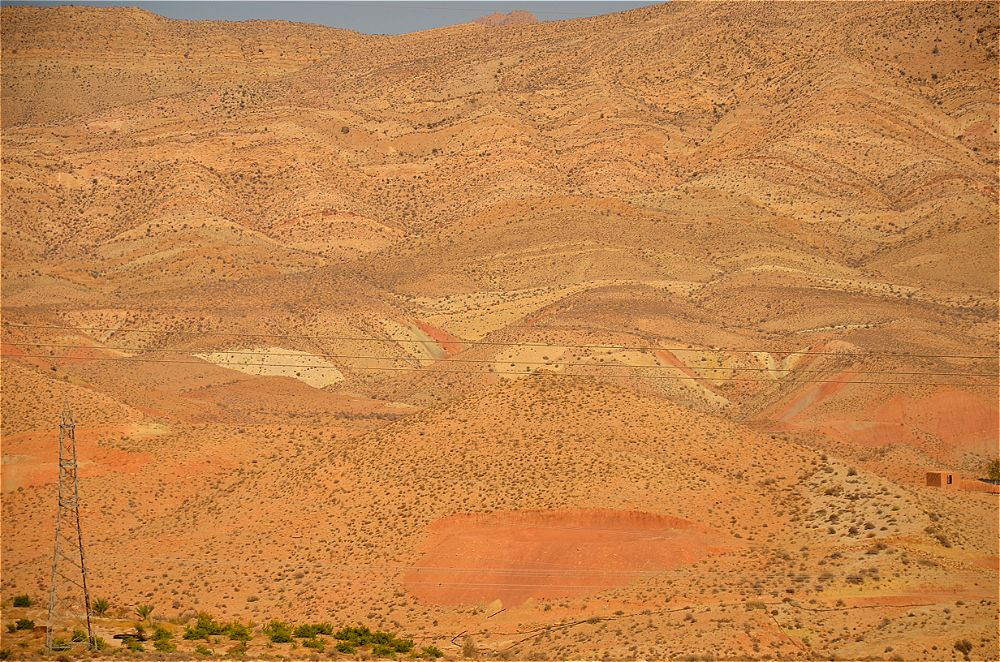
pixel 337 311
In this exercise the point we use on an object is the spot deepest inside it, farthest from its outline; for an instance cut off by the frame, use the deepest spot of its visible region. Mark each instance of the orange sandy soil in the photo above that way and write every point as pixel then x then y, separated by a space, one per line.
pixel 514 556
pixel 766 179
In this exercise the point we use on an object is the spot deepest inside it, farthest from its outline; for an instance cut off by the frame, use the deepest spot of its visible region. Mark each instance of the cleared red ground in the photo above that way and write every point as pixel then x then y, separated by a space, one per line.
pixel 514 556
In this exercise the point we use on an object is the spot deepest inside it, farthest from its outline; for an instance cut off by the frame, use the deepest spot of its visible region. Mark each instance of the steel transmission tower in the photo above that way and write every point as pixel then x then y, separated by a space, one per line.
pixel 69 566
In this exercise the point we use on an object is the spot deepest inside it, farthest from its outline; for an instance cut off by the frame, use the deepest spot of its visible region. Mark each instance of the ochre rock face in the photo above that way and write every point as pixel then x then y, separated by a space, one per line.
pixel 682 303
pixel 474 559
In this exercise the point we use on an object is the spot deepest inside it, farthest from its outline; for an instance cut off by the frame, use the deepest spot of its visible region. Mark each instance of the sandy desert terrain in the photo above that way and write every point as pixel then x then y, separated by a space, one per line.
pixel 629 337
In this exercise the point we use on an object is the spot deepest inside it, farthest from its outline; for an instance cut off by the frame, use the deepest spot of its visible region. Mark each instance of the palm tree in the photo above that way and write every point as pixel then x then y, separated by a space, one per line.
pixel 144 611
pixel 101 606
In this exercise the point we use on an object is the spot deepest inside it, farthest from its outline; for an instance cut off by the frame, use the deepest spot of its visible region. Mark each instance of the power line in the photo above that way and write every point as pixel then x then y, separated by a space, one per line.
pixel 494 343
pixel 139 350
pixel 491 372
pixel 507 571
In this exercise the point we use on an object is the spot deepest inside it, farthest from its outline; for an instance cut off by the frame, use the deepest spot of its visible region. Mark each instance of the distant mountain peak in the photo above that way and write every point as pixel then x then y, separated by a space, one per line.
pixel 516 17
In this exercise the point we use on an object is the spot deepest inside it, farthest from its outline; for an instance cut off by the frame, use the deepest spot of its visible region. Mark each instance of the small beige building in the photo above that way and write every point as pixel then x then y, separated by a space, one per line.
pixel 945 479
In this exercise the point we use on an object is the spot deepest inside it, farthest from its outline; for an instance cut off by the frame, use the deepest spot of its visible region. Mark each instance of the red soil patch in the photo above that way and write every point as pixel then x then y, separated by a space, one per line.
pixel 813 395
pixel 450 344
pixel 11 350
pixel 960 419
pixel 31 458
pixel 514 556
pixel 670 359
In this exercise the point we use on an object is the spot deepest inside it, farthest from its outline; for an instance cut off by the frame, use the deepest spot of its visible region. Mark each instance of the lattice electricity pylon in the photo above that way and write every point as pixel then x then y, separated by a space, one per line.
pixel 69 565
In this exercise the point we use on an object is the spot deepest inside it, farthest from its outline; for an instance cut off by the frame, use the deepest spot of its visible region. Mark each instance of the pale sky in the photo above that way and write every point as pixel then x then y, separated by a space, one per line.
pixel 388 17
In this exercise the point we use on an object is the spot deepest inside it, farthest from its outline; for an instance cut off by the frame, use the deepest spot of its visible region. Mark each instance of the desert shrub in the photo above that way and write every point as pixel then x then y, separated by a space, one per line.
pixel 360 636
pixel 305 631
pixel 314 644
pixel 164 645
pixel 964 646
pixel 100 606
pixel 135 646
pixel 24 624
pixel 352 633
pixel 346 647
pixel 992 472
pixel 23 600
pixel 240 632
pixel 5 654
pixel 430 652
pixel 100 643
pixel 202 649
pixel 144 611
pixel 204 627
pixel 11 628
pixel 162 633
pixel 383 650
pixel 278 632
pixel 469 649
pixel 79 635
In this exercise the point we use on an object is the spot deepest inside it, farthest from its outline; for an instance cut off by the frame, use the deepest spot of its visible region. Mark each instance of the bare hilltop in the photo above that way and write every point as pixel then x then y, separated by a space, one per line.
pixel 623 337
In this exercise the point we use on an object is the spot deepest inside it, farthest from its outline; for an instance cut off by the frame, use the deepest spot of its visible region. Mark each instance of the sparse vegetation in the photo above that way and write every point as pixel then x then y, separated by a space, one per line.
pixel 100 606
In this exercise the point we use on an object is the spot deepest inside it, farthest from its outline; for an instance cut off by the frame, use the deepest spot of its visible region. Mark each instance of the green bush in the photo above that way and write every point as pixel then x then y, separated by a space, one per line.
pixel 23 600
pixel 100 644
pixel 278 632
pixel 100 606
pixel 204 627
pixel 24 624
pixel 383 650
pixel 430 651
pixel 305 631
pixel 135 646
pixel 346 647
pixel 144 611
pixel 162 633
pixel 79 635
pixel 359 636
pixel 239 632
pixel 202 649
pixel 164 645
pixel 11 628
pixel 315 644
pixel 5 654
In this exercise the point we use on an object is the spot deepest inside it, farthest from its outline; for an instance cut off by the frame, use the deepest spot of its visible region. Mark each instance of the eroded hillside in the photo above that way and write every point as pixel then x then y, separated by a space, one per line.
pixel 343 314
